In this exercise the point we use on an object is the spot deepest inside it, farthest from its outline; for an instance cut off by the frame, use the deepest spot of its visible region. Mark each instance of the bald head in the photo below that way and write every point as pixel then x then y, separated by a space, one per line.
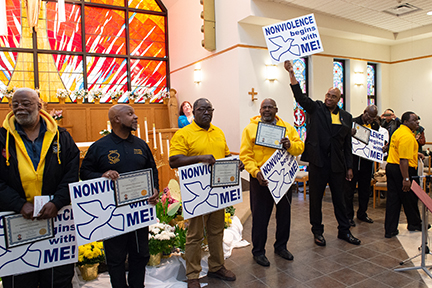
pixel 332 98
pixel 369 114
pixel 30 93
pixel 123 120
pixel 117 110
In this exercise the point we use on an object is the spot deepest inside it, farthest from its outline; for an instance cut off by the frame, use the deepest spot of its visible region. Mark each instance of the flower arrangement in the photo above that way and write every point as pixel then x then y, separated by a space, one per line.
pixel 167 208
pixel 91 253
pixel 133 96
pixel 229 212
pixel 96 93
pixel 161 238
pixel 56 114
pixel 104 132
pixel 115 95
pixel 80 94
pixel 148 95
pixel 62 93
pixel 8 92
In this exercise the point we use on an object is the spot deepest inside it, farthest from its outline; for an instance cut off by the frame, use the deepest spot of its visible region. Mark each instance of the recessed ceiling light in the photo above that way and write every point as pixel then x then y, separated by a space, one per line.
pixel 429 13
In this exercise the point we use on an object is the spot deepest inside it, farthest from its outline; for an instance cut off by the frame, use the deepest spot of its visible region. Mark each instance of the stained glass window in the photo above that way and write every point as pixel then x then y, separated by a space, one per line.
pixel 102 45
pixel 339 79
pixel 300 72
pixel 371 83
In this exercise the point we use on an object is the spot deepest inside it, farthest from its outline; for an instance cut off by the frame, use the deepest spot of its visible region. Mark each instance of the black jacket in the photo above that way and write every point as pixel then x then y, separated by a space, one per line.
pixel 56 176
pixel 322 142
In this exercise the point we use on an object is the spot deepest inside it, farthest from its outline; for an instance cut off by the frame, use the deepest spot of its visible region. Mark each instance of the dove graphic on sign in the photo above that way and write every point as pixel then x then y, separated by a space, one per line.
pixel 200 196
pixel 279 185
pixel 279 42
pixel 100 217
pixel 358 146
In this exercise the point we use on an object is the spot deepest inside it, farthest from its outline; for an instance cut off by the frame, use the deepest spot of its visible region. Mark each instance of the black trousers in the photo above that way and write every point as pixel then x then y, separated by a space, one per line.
pixel 135 245
pixel 362 170
pixel 396 197
pixel 262 202
pixel 318 179
pixel 57 277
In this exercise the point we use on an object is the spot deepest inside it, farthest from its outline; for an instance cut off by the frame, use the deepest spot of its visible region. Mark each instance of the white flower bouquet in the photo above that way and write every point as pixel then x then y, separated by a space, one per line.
pixel 161 238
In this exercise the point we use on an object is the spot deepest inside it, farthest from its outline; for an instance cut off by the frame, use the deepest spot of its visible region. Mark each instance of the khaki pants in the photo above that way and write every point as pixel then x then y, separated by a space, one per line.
pixel 214 223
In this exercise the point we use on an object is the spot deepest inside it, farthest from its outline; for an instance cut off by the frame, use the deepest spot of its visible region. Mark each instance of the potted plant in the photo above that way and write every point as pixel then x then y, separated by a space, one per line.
pixel 89 257
pixel 8 93
pixel 57 115
pixel 116 95
pixel 62 94
pixel 161 241
pixel 133 96
pixel 96 95
pixel 80 95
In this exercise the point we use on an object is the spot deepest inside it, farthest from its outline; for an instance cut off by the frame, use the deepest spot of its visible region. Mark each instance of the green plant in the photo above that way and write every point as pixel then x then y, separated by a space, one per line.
pixel 180 240
pixel 230 210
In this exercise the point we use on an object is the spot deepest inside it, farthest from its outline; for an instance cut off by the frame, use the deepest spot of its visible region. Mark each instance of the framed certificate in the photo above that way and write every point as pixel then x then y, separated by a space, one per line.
pixel 133 187
pixel 225 173
pixel 19 231
pixel 362 133
pixel 269 135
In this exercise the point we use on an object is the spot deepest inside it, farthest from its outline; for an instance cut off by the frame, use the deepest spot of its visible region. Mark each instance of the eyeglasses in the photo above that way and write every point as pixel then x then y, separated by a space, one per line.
pixel 15 105
pixel 208 109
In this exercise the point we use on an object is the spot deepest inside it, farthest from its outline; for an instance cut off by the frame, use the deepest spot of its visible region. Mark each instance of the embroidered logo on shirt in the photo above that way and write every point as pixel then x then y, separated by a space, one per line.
pixel 113 157
pixel 55 147
pixel 138 151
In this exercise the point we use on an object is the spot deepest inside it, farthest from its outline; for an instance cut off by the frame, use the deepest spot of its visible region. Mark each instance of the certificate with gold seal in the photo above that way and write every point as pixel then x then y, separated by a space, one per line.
pixel 133 187
pixel 19 231
pixel 362 133
pixel 269 135
pixel 225 173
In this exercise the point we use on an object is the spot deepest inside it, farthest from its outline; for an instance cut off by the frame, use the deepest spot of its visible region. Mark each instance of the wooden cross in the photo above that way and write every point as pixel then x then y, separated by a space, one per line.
pixel 253 93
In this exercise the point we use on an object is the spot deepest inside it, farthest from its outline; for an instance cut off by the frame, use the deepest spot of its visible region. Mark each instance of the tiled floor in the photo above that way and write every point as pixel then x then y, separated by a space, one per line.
pixel 338 264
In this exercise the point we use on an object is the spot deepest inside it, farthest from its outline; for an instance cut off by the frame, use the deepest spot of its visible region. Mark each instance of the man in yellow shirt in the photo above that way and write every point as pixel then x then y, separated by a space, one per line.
pixel 401 166
pixel 202 142
pixel 261 201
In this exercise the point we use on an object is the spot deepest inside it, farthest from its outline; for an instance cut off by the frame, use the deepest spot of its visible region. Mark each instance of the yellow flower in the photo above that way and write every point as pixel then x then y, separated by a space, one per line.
pixel 81 250
pixel 80 258
pixel 88 254
pixel 96 252
pixel 99 245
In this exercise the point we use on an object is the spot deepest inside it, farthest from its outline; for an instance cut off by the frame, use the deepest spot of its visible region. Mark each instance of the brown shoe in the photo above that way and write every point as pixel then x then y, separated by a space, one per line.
pixel 193 283
pixel 223 274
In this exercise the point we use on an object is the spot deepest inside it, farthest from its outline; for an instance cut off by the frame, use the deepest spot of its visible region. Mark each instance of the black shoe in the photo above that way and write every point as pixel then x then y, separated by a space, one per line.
pixel 284 253
pixel 261 260
pixel 351 222
pixel 390 235
pixel 349 238
pixel 319 240
pixel 416 228
pixel 365 219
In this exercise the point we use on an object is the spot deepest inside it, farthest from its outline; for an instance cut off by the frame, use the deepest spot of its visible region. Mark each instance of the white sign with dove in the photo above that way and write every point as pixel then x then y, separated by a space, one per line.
pixel 373 150
pixel 198 197
pixel 293 39
pixel 96 214
pixel 57 251
pixel 280 171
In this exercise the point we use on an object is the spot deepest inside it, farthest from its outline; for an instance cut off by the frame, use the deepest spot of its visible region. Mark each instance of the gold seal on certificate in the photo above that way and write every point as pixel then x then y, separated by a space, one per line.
pixel 19 231
pixel 133 187
pixel 225 173
pixel 362 133
pixel 269 135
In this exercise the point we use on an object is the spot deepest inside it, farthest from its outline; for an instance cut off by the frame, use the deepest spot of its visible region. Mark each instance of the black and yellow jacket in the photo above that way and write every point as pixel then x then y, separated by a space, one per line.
pixel 60 159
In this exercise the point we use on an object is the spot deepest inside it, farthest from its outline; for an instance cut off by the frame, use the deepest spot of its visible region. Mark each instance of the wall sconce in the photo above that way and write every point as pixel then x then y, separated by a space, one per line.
pixel 197 76
pixel 358 78
pixel 271 71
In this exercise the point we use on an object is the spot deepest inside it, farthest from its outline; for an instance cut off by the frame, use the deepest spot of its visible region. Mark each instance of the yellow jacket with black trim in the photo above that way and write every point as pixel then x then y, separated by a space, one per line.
pixel 254 156
pixel 61 165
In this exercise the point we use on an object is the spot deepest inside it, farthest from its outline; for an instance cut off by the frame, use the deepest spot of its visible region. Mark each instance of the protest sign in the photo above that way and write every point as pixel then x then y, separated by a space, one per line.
pixel 198 197
pixel 96 214
pixel 293 39
pixel 57 251
pixel 373 150
pixel 280 171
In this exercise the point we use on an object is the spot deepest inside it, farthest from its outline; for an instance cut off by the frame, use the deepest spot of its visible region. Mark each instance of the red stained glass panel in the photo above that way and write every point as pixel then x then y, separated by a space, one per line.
pixel 145 5
pixel 105 31
pixel 147 35
pixel 13 15
pixel 148 76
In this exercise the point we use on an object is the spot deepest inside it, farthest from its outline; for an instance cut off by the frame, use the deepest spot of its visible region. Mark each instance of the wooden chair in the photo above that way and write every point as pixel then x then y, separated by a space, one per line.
pixel 302 176
pixel 378 186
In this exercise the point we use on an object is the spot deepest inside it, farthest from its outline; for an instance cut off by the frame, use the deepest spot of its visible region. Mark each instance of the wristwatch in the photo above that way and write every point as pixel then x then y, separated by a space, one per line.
pixel 406 179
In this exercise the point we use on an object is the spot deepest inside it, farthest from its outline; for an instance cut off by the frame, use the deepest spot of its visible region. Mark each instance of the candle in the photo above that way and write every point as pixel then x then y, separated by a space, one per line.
pixel 146 129
pixel 108 125
pixel 139 132
pixel 160 142
pixel 154 136
pixel 168 147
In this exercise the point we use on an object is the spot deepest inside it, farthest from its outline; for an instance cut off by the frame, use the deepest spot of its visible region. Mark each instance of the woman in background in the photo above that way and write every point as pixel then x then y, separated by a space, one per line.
pixel 186 117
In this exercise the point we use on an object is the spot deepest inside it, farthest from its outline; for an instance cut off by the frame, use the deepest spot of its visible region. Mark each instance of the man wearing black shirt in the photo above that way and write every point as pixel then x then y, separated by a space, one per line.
pixel 121 152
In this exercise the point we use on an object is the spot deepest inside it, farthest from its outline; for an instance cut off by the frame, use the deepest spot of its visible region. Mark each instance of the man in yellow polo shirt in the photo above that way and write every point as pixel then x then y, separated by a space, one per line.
pixel 202 142
pixel 401 166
